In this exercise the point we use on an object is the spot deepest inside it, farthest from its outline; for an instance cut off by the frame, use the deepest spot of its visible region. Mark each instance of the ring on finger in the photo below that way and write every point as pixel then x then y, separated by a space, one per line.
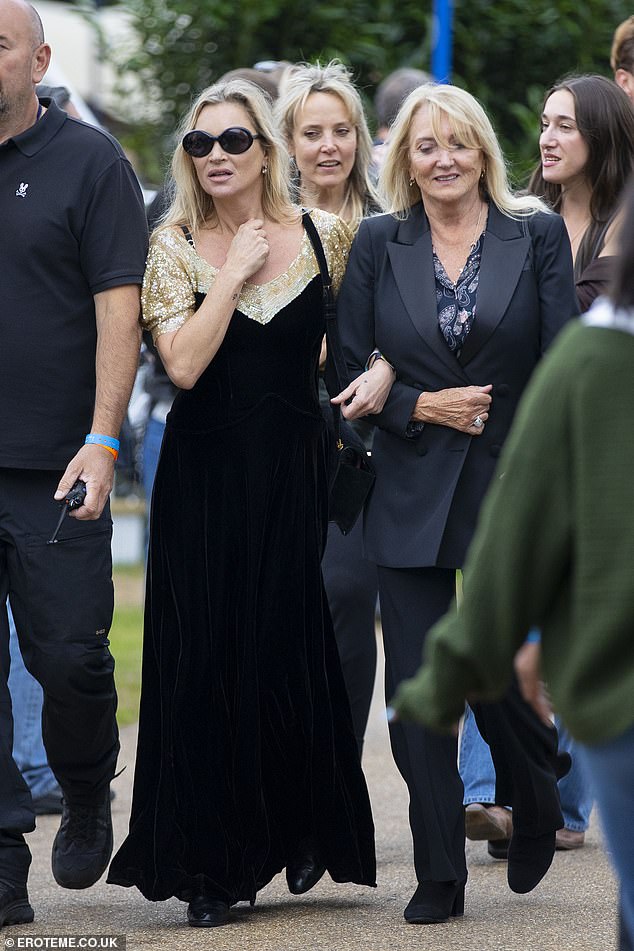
pixel 478 422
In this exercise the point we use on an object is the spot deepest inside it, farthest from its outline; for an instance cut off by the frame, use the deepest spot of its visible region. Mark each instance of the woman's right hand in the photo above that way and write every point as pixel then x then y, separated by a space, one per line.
pixel 458 407
pixel 188 351
pixel 248 250
pixel 367 393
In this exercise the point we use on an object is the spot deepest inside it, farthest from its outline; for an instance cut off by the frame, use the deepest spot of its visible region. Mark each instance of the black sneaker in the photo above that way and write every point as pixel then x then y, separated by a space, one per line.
pixel 83 844
pixel 14 905
pixel 50 803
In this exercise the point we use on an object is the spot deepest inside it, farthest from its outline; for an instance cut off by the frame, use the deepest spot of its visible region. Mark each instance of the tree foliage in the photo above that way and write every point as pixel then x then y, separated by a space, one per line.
pixel 509 52
pixel 506 52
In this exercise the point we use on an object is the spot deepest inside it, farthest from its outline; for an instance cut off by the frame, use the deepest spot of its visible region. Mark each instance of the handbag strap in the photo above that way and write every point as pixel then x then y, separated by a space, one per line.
pixel 336 373
pixel 187 234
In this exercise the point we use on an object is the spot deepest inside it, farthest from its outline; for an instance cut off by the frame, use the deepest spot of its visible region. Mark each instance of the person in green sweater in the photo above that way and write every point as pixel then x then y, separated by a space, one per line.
pixel 554 549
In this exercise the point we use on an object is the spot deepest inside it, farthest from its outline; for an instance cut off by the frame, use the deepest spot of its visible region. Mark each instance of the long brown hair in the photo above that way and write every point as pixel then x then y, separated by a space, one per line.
pixel 605 119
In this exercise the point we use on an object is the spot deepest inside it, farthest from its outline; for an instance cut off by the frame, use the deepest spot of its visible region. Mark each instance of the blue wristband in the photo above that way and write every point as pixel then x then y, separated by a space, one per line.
pixel 100 440
pixel 534 636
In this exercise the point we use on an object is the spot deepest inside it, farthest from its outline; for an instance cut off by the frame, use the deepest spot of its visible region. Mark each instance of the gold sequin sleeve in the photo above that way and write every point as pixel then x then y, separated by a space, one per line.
pixel 167 298
pixel 336 238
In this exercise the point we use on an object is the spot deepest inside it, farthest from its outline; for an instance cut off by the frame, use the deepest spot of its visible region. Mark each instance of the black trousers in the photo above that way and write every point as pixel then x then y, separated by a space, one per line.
pixel 524 750
pixel 62 601
pixel 351 588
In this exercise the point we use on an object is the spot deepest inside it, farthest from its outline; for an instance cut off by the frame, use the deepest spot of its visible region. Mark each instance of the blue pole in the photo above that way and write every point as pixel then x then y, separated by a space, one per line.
pixel 441 40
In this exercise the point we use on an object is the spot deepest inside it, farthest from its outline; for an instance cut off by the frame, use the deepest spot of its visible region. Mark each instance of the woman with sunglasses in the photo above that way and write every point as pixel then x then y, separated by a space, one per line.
pixel 247 762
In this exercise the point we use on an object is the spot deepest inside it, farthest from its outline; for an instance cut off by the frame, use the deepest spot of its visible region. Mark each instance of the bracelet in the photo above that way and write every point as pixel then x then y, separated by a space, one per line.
pixel 374 356
pixel 109 449
pixel 109 443
pixel 101 440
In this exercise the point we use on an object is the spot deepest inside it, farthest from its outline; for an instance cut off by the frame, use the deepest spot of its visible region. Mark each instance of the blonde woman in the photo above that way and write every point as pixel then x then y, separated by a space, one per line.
pixel 460 288
pixel 246 762
pixel 320 114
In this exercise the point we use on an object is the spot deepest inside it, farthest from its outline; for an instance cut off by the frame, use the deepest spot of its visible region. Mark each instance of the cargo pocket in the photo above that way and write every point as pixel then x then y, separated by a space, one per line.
pixel 70 594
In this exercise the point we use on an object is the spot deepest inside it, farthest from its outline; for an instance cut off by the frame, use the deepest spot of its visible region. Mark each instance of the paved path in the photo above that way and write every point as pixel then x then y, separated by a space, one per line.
pixel 571 910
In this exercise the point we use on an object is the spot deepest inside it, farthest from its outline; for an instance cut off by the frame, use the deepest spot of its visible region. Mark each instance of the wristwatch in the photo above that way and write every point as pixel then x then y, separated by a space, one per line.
pixel 374 356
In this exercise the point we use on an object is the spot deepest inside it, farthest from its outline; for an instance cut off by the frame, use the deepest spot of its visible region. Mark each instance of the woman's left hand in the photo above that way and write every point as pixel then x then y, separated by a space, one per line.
pixel 366 394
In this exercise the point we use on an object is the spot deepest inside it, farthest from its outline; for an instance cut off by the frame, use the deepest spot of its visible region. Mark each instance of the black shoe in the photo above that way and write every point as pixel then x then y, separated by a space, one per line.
pixel 305 872
pixel 50 804
pixel 434 902
pixel 499 849
pixel 83 844
pixel 205 912
pixel 14 905
pixel 529 860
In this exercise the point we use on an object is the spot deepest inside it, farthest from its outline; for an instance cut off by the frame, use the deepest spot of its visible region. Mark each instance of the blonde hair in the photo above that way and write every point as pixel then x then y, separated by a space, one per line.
pixel 190 204
pixel 622 52
pixel 470 126
pixel 297 84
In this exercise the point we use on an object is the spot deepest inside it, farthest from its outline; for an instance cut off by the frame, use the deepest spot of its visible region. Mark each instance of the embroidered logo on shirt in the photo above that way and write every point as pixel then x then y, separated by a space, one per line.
pixel 21 191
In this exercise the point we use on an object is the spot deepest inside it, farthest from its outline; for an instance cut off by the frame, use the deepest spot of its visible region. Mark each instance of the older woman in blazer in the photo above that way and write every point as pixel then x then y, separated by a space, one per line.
pixel 448 302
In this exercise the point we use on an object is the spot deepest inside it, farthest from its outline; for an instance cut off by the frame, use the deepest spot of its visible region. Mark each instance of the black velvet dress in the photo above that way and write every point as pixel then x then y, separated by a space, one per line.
pixel 246 747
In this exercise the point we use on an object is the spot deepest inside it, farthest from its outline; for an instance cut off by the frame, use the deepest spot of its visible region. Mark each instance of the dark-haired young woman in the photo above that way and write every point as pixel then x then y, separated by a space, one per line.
pixel 587 156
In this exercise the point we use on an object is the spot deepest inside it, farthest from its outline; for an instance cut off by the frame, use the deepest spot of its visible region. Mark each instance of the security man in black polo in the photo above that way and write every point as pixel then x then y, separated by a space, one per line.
pixel 73 241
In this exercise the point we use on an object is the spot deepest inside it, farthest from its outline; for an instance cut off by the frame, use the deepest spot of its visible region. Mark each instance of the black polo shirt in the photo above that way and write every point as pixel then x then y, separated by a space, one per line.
pixel 72 224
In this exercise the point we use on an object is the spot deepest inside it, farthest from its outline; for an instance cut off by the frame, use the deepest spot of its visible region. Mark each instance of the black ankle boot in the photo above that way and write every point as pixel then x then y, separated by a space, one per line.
pixel 434 902
pixel 529 860
pixel 206 912
pixel 305 871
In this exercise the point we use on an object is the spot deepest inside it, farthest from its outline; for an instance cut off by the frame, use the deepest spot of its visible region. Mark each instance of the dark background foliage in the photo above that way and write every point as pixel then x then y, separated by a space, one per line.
pixel 506 52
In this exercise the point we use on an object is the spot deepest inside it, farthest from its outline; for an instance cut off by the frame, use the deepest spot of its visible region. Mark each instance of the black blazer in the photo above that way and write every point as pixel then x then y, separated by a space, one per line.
pixel 429 487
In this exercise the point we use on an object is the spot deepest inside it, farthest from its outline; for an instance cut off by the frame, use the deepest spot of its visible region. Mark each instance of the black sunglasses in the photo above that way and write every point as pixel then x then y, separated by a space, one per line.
pixel 235 141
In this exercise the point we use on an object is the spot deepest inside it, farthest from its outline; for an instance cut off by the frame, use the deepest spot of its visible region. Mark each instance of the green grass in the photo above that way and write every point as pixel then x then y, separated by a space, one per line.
pixel 126 636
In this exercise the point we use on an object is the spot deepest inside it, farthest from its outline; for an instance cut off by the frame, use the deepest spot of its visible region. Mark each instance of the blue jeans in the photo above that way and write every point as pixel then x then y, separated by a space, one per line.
pixel 26 703
pixel 151 450
pixel 610 767
pixel 478 775
pixel 152 441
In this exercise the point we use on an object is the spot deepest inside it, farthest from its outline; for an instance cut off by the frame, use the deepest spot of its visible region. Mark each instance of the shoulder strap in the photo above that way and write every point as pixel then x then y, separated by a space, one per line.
pixel 198 295
pixel 318 248
pixel 336 372
pixel 187 234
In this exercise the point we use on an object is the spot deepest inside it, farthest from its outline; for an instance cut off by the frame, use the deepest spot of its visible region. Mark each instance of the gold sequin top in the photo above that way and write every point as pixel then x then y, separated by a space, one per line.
pixel 175 272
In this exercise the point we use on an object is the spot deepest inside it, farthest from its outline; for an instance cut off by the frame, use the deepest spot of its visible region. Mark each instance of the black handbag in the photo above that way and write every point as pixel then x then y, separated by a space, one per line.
pixel 351 475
